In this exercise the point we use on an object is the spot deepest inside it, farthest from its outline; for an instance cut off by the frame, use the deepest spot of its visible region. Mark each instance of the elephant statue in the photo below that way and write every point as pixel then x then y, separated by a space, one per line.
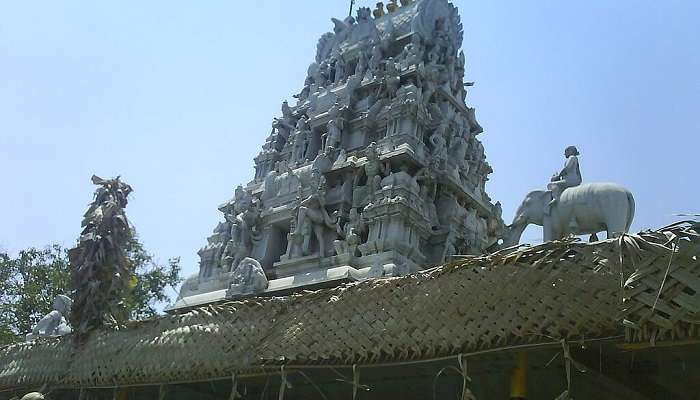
pixel 581 210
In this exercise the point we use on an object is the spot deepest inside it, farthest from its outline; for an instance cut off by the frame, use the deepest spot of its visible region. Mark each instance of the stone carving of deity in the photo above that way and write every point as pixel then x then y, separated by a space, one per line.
pixel 340 69
pixel 439 144
pixel 392 79
pixel 242 216
pixel 350 234
pixel 285 125
pixel 248 277
pixel 313 219
pixel 412 54
pixel 428 80
pixel 458 153
pixel 427 193
pixel 334 135
pixel 375 62
pixel 374 170
pixel 301 140
pixel 441 42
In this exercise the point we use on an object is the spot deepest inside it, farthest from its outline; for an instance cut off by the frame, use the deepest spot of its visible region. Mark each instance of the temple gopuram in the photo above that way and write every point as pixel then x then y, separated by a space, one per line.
pixel 365 260
pixel 376 170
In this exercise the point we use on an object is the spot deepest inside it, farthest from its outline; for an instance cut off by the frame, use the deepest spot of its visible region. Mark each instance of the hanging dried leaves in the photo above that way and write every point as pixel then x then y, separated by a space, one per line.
pixel 100 271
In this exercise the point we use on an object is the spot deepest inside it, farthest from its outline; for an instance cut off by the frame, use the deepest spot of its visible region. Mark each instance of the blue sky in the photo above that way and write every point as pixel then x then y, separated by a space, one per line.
pixel 178 97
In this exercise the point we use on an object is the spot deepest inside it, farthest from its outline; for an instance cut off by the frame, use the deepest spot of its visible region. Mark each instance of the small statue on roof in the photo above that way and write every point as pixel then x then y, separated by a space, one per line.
pixel 569 176
pixel 54 323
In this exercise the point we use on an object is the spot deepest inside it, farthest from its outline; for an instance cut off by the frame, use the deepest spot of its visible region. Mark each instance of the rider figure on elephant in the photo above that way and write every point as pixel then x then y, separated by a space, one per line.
pixel 569 176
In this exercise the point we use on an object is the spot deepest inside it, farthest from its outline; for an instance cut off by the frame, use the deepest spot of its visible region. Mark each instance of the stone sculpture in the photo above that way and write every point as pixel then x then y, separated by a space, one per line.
pixel 374 170
pixel 301 140
pixel 374 167
pixel 569 176
pixel 334 134
pixel 100 273
pixel 350 234
pixel 581 210
pixel 33 396
pixel 242 234
pixel 248 278
pixel 378 12
pixel 313 219
pixel 54 323
pixel 568 207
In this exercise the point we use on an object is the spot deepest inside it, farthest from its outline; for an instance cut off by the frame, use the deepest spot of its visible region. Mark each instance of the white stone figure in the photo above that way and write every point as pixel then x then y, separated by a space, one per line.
pixel 374 170
pixel 569 176
pixel 339 68
pixel 375 62
pixel 361 66
pixel 55 322
pixel 284 126
pixel 33 396
pixel 411 55
pixel 581 210
pixel 366 28
pixel 248 277
pixel 458 153
pixel 350 234
pixel 320 76
pixel 312 218
pixel 329 42
pixel 439 144
pixel 401 179
pixel 427 192
pixel 243 219
pixel 301 140
pixel 392 80
pixel 428 77
pixel 335 133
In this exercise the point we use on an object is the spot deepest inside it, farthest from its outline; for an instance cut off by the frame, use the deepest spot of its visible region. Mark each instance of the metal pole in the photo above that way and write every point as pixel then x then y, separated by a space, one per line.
pixel 518 379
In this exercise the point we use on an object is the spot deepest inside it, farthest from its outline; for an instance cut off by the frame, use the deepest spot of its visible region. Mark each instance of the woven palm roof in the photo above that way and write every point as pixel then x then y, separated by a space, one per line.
pixel 643 285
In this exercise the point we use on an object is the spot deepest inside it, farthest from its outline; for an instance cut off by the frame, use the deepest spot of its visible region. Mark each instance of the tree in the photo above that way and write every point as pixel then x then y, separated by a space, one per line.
pixel 30 282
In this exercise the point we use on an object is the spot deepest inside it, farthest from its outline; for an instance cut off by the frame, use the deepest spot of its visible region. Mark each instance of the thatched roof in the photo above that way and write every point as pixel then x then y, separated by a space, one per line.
pixel 523 296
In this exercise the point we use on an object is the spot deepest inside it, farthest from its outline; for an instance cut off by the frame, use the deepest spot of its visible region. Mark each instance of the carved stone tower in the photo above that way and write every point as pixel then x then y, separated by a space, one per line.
pixel 377 170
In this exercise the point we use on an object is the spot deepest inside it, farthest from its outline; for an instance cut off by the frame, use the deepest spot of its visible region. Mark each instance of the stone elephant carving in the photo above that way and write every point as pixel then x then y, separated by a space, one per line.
pixel 581 210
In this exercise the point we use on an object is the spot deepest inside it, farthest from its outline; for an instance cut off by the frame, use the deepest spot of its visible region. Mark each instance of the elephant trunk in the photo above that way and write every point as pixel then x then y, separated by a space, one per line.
pixel 513 234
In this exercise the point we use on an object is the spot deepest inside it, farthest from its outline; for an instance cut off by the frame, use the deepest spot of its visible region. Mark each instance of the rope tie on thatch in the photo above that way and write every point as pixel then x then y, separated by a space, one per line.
pixel 674 245
pixel 568 362
pixel 462 371
pixel 312 383
pixel 283 384
pixel 234 387
pixel 466 393
pixel 355 381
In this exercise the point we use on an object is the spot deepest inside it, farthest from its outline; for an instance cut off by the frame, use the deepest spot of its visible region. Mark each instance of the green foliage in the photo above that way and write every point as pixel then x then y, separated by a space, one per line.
pixel 28 286
pixel 30 282
pixel 151 280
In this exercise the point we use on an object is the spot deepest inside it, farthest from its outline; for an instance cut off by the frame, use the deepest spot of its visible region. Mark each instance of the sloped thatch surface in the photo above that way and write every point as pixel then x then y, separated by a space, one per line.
pixel 559 290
